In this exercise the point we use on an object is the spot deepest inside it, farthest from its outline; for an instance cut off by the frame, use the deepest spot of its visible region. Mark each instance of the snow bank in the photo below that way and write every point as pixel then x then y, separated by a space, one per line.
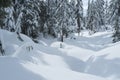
pixel 11 42
pixel 13 69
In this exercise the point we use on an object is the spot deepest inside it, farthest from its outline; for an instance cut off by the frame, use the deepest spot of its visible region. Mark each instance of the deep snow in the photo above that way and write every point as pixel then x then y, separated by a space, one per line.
pixel 88 57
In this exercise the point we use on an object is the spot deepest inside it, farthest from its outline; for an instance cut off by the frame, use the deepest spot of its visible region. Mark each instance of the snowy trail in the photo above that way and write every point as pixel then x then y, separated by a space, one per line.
pixel 102 59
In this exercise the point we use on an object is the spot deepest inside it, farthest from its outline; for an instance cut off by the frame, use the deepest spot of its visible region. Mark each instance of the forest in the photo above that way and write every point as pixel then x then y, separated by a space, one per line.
pixel 59 18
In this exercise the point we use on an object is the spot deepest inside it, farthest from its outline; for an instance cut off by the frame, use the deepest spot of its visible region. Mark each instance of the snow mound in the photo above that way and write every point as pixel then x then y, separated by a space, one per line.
pixel 11 41
pixel 111 52
pixel 13 69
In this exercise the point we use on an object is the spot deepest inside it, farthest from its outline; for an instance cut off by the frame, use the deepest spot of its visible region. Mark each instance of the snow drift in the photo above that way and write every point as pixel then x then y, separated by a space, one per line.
pixel 87 58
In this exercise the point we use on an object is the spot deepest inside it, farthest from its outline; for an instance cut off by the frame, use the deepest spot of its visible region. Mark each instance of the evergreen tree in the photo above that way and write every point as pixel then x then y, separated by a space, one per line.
pixel 116 35
pixel 79 15
pixel 29 20
pixel 115 16
pixel 64 18
pixel 2 18
pixel 95 16
pixel 1 49
pixel 52 6
pixel 17 14
pixel 3 4
pixel 91 17
pixel 106 16
pixel 100 10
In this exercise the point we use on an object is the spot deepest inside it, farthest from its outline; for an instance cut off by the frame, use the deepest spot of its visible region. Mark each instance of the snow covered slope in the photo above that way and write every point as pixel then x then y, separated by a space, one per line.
pixel 84 58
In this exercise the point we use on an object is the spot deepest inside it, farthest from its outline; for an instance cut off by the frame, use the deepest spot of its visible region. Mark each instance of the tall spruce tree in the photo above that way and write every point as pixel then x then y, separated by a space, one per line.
pixel 65 18
pixel 91 17
pixel 95 16
pixel 106 16
pixel 100 10
pixel 3 4
pixel 79 15
pixel 29 20
pixel 115 19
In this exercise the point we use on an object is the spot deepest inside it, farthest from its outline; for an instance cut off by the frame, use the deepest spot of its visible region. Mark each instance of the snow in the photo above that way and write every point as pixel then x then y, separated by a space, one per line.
pixel 87 57
pixel 13 69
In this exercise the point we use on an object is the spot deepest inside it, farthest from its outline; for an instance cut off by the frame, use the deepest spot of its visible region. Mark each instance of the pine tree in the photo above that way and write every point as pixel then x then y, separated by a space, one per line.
pixel 2 18
pixel 100 10
pixel 52 6
pixel 95 16
pixel 91 17
pixel 29 20
pixel 17 14
pixel 106 16
pixel 115 16
pixel 1 49
pixel 24 17
pixel 64 18
pixel 3 4
pixel 79 15
pixel 116 35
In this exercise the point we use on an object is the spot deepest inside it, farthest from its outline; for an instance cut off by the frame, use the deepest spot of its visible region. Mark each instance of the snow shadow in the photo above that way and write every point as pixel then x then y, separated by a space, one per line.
pixel 96 43
pixel 12 69
pixel 103 67
pixel 73 63
pixel 99 66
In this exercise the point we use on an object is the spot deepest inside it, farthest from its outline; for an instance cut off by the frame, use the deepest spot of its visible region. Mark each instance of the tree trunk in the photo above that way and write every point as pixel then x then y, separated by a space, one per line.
pixel 78 23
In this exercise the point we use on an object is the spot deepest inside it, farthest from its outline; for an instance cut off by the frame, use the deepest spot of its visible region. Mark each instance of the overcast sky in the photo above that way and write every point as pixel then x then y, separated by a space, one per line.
pixel 85 6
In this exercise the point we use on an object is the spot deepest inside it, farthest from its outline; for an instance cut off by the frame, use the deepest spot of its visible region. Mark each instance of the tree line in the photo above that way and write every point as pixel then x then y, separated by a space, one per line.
pixel 59 18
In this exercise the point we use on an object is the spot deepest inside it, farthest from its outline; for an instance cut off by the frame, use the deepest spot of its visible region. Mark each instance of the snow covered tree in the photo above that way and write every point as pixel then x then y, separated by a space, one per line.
pixel 3 5
pixel 91 17
pixel 116 35
pixel 95 16
pixel 29 20
pixel 106 12
pixel 61 19
pixel 2 17
pixel 49 18
pixel 24 17
pixel 100 11
pixel 64 17
pixel 50 22
pixel 17 14
pixel 79 15
pixel 2 52
pixel 115 18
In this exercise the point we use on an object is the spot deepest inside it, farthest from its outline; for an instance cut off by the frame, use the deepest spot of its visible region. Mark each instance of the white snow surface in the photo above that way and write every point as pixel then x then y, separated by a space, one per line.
pixel 85 57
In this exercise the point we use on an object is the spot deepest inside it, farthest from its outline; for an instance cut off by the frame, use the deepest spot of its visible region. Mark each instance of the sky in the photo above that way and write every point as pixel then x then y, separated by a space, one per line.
pixel 85 6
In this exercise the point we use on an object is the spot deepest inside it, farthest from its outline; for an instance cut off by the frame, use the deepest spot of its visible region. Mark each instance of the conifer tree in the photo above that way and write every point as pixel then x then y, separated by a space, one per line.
pixel 95 16
pixel 79 15
pixel 115 19
pixel 3 4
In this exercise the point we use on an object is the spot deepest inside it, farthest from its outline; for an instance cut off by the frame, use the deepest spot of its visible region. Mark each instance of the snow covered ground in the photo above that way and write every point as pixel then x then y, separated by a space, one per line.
pixel 86 57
